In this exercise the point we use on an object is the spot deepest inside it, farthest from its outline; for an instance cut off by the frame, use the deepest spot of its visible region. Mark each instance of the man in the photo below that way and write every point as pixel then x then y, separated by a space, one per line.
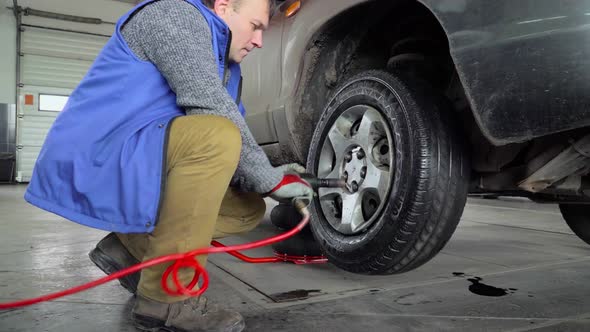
pixel 153 147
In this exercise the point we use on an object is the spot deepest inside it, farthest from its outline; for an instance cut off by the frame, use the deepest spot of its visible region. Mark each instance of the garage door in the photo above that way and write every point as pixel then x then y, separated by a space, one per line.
pixel 53 62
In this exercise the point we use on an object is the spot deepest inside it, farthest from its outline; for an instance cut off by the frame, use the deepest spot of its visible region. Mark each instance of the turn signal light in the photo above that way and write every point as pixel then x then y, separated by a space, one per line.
pixel 293 8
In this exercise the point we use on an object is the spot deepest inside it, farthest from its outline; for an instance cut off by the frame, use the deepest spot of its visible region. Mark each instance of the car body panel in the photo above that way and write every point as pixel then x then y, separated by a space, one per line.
pixel 298 33
pixel 289 47
pixel 524 67
pixel 262 74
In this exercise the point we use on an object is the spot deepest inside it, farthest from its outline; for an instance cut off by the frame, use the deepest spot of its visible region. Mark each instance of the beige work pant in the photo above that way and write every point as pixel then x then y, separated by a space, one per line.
pixel 198 205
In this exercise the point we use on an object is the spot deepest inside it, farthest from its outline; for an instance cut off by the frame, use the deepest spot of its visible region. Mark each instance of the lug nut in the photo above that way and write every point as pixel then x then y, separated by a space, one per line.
pixel 355 186
pixel 363 172
pixel 345 176
pixel 360 155
pixel 348 157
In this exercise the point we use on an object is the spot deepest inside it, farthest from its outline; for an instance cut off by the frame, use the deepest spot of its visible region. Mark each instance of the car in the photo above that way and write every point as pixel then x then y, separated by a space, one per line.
pixel 417 104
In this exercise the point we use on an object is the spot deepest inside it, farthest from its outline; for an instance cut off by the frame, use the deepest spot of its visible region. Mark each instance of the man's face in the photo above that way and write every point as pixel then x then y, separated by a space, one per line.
pixel 246 21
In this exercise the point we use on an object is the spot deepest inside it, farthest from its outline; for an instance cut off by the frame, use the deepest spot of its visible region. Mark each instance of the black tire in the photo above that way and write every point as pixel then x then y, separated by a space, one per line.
pixel 429 187
pixel 577 217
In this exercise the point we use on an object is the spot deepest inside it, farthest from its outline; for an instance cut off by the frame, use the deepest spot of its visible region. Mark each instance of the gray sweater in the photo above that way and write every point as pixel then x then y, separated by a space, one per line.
pixel 175 36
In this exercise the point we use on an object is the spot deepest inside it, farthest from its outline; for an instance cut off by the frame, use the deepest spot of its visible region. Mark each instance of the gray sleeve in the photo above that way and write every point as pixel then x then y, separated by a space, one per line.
pixel 175 36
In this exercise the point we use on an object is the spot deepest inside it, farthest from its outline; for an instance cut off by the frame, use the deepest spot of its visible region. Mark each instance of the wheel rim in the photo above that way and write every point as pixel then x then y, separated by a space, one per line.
pixel 358 148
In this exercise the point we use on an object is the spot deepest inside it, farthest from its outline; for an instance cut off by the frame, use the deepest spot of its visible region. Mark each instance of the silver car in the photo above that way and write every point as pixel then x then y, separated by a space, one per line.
pixel 417 104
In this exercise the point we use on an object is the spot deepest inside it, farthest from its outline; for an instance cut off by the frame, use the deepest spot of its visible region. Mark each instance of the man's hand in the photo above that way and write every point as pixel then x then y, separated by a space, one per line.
pixel 292 186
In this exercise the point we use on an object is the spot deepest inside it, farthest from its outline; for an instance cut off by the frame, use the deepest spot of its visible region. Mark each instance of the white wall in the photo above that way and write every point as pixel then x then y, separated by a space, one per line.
pixel 7 53
pixel 106 10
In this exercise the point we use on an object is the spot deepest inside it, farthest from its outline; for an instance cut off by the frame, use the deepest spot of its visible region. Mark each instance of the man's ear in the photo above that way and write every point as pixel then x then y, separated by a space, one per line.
pixel 221 7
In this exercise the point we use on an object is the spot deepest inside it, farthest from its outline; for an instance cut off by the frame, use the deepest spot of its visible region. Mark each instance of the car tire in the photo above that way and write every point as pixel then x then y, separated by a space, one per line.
pixel 428 176
pixel 577 217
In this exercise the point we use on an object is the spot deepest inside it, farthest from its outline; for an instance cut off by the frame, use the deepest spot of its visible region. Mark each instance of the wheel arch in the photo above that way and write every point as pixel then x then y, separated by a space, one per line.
pixel 339 49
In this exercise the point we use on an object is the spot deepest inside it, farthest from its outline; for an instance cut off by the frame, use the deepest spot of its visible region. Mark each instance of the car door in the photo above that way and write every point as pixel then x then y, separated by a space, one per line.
pixel 261 72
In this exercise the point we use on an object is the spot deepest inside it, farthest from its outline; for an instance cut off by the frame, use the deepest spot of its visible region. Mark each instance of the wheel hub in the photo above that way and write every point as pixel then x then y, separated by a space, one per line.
pixel 357 148
pixel 355 168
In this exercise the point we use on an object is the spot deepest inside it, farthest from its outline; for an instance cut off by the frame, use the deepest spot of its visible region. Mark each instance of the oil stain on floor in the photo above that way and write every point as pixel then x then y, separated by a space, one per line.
pixel 479 288
pixel 296 295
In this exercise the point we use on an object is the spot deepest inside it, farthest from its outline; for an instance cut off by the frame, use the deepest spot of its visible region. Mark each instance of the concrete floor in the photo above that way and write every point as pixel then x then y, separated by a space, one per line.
pixel 522 249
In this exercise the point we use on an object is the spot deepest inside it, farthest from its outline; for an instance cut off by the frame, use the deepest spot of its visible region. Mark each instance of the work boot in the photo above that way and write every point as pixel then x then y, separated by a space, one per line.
pixel 192 314
pixel 110 255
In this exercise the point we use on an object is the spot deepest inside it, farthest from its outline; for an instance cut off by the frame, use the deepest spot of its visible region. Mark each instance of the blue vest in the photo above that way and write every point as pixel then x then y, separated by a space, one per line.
pixel 103 163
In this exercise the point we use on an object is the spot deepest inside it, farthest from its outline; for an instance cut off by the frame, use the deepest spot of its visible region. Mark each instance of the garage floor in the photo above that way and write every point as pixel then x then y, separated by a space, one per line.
pixel 521 252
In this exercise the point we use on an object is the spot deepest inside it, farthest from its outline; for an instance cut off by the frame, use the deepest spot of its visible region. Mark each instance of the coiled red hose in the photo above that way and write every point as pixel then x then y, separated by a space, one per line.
pixel 185 260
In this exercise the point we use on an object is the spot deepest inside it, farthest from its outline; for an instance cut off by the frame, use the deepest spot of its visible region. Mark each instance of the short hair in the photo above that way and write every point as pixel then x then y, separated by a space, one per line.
pixel 209 3
pixel 236 4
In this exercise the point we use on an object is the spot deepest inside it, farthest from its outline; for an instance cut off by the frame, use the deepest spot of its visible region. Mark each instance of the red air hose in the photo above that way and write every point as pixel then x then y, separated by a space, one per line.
pixel 186 260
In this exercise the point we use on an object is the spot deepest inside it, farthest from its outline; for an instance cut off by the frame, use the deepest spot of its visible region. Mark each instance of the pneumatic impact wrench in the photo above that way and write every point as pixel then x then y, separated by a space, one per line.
pixel 317 183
